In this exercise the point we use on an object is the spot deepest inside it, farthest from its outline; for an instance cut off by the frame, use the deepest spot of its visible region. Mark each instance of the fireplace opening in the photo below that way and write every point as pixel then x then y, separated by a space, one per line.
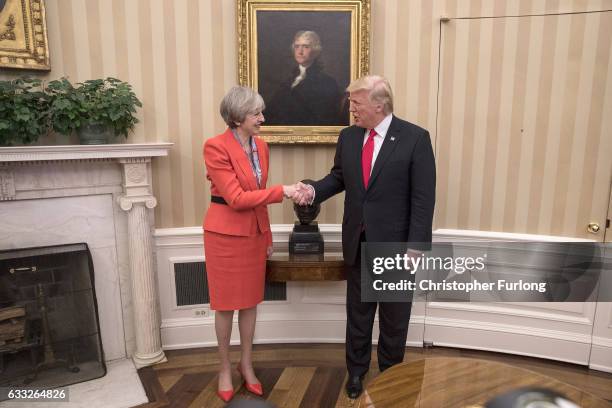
pixel 49 329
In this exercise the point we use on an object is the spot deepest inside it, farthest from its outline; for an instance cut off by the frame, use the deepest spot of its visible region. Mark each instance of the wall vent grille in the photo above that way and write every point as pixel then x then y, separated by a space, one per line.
pixel 192 286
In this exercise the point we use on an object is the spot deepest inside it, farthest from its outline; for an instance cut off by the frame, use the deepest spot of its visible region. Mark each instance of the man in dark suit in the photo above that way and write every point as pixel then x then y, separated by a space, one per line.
pixel 386 167
pixel 309 96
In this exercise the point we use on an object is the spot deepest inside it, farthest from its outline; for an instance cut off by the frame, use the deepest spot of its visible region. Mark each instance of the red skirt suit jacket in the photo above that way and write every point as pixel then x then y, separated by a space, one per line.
pixel 231 177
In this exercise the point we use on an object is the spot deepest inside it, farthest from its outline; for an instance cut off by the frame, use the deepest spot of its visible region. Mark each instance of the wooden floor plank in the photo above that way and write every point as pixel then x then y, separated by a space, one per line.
pixel 268 378
pixel 203 360
pixel 168 381
pixel 343 401
pixel 213 368
pixel 297 391
pixel 291 386
pixel 151 385
pixel 324 388
pixel 187 389
pixel 208 397
pixel 278 395
pixel 313 375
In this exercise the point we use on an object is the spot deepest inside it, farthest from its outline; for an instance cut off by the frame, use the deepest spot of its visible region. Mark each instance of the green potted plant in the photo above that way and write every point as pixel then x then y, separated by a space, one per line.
pixel 24 111
pixel 97 109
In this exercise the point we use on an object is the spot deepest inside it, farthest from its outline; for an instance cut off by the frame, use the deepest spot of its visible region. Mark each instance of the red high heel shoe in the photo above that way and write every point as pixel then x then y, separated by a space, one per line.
pixel 253 388
pixel 225 395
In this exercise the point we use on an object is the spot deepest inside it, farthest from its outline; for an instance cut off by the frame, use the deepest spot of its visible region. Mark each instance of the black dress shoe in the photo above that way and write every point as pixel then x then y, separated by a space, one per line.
pixel 354 387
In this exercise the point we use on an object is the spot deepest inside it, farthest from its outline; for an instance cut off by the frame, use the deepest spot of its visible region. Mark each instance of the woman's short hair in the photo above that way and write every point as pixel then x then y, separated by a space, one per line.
pixel 312 37
pixel 238 103
pixel 379 90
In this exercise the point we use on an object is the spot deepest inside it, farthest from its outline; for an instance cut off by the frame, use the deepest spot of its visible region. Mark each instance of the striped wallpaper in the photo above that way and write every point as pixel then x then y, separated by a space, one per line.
pixel 523 144
pixel 520 122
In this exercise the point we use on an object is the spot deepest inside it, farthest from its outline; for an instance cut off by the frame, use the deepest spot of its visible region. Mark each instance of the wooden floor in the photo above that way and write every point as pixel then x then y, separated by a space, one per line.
pixel 313 375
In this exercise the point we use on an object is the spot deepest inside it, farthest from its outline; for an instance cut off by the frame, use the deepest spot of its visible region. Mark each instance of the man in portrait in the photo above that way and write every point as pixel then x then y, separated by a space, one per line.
pixel 309 96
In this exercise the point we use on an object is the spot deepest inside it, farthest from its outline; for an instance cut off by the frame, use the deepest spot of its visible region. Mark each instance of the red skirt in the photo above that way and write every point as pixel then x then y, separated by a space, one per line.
pixel 236 270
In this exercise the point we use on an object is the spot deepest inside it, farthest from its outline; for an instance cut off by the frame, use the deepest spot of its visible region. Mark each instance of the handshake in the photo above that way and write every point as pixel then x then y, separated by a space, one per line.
pixel 300 193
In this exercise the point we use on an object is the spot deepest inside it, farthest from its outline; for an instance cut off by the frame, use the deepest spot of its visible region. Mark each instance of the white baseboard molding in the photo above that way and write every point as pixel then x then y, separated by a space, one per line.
pixel 549 344
pixel 607 369
pixel 192 333
pixel 603 342
pixel 601 358
pixel 503 329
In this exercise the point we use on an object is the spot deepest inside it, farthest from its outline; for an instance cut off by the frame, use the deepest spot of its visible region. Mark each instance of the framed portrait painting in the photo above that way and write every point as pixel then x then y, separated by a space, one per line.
pixel 300 56
pixel 23 35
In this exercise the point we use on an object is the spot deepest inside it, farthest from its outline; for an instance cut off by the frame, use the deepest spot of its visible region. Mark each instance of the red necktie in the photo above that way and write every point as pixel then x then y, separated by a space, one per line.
pixel 366 157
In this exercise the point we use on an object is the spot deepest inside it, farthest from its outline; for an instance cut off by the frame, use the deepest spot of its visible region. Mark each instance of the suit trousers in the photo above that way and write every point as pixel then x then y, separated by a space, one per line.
pixel 393 326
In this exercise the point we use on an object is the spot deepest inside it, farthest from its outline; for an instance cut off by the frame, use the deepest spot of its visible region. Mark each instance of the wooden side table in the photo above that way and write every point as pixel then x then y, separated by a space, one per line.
pixel 285 267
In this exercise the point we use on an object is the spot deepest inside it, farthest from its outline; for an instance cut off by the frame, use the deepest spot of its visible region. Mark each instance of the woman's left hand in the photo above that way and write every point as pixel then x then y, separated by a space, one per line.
pixel 269 251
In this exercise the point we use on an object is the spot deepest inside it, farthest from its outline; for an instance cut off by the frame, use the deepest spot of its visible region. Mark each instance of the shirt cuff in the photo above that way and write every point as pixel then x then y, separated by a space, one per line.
pixel 313 192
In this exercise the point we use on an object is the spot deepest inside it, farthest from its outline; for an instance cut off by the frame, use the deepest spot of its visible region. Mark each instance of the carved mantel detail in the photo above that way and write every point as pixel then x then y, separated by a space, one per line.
pixel 136 184
pixel 7 185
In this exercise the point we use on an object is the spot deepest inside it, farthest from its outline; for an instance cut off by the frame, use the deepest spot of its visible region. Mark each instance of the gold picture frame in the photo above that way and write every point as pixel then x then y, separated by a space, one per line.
pixel 23 35
pixel 267 31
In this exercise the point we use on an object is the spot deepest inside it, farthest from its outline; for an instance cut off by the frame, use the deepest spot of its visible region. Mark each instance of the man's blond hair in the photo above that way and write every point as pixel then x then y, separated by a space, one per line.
pixel 378 88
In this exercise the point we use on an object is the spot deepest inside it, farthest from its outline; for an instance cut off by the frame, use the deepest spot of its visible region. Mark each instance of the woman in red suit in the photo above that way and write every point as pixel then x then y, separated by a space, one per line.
pixel 237 236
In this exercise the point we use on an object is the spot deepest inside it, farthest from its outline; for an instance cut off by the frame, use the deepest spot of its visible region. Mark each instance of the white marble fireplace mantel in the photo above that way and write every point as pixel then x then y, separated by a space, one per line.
pixel 81 152
pixel 101 195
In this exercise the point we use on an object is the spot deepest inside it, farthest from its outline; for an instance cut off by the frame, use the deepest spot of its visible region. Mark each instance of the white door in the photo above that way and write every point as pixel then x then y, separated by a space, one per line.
pixel 524 145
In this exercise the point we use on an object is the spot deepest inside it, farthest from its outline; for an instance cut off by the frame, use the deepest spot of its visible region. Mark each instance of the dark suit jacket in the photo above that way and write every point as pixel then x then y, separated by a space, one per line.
pixel 398 204
pixel 314 101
